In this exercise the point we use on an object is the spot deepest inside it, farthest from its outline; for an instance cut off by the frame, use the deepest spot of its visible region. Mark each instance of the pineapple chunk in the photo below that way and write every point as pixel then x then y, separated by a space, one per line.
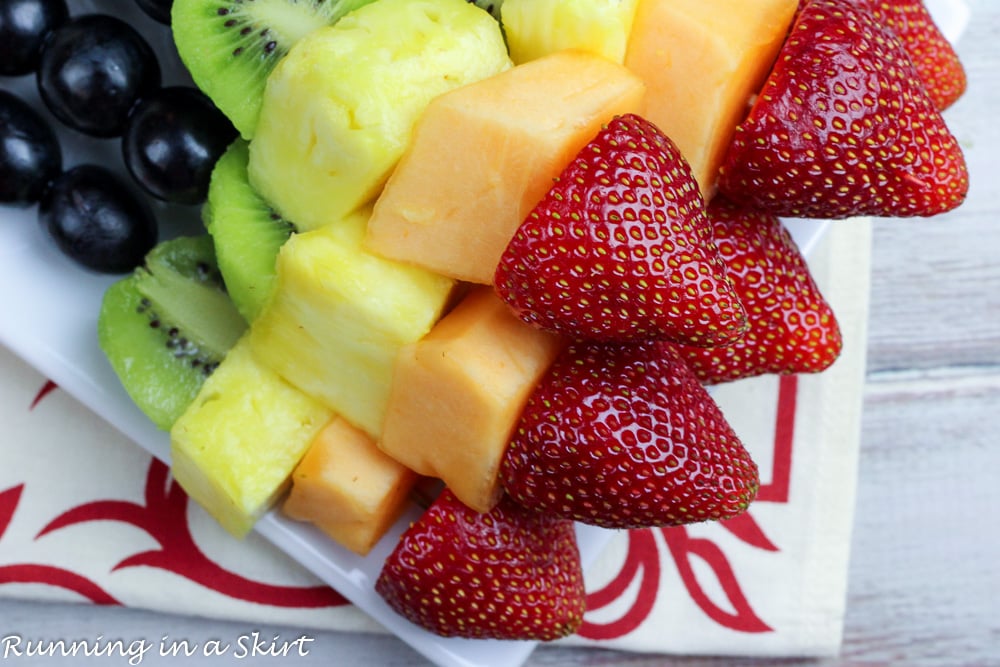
pixel 348 487
pixel 339 315
pixel 234 448
pixel 459 391
pixel 536 28
pixel 339 108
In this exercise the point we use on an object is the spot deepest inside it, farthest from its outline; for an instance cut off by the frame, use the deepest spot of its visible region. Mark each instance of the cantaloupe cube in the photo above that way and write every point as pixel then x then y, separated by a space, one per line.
pixel 702 62
pixel 457 395
pixel 234 448
pixel 348 487
pixel 483 155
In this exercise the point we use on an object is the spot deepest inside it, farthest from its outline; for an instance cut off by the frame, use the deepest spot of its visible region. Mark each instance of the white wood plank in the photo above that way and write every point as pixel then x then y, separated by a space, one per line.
pixel 936 282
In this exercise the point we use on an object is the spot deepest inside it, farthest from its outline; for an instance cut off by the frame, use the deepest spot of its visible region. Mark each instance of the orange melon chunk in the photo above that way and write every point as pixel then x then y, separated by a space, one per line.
pixel 483 155
pixel 458 392
pixel 348 488
pixel 702 62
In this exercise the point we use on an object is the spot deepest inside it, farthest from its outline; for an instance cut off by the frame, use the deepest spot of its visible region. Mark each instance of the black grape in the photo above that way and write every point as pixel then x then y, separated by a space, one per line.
pixel 171 142
pixel 24 26
pixel 93 70
pixel 96 221
pixel 30 156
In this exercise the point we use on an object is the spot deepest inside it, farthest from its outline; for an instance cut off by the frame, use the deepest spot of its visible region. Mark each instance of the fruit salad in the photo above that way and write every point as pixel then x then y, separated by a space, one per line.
pixel 486 257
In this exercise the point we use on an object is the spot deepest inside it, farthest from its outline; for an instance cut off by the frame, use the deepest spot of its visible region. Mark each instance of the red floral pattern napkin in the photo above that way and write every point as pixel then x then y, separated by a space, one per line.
pixel 772 581
pixel 85 515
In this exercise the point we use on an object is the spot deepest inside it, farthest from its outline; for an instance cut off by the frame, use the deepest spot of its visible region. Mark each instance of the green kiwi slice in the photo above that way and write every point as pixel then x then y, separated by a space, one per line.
pixel 492 6
pixel 247 232
pixel 167 326
pixel 230 46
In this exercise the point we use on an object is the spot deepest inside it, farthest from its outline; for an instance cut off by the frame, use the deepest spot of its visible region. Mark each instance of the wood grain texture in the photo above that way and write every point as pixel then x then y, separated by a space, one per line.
pixel 935 297
pixel 925 569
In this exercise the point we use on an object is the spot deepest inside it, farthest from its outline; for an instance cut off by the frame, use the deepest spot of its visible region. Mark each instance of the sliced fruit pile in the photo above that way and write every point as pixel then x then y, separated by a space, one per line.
pixel 507 250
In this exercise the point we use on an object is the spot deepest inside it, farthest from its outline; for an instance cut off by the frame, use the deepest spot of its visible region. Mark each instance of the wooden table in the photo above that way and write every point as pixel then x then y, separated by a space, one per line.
pixel 925 568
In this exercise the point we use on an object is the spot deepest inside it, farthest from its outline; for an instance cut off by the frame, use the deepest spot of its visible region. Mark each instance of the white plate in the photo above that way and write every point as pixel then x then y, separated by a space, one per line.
pixel 49 313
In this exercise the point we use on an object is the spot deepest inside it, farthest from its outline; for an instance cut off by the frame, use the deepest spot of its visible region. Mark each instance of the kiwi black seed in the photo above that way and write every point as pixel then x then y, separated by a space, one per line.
pixel 168 325
pixel 247 232
pixel 230 46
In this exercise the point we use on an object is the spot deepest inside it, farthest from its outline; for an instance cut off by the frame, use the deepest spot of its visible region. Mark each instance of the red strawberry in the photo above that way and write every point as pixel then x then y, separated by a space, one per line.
pixel 844 127
pixel 792 328
pixel 624 436
pixel 508 574
pixel 931 52
pixel 619 249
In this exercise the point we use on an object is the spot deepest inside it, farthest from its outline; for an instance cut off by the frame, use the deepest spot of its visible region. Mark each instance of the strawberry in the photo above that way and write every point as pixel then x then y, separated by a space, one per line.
pixel 620 249
pixel 931 52
pixel 792 328
pixel 844 127
pixel 507 574
pixel 624 436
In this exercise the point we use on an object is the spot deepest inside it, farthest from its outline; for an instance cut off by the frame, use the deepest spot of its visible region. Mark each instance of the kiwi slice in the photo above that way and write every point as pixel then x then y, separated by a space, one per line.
pixel 230 46
pixel 247 232
pixel 167 326
pixel 492 6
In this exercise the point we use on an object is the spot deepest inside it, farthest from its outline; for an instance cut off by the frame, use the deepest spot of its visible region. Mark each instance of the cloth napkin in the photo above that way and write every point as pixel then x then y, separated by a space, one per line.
pixel 86 515
pixel 773 581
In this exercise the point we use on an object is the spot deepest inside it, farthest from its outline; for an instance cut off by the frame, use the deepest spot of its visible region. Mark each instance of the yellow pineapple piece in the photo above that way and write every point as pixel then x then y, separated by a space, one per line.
pixel 234 448
pixel 458 393
pixel 339 315
pixel 702 62
pixel 339 108
pixel 536 28
pixel 348 487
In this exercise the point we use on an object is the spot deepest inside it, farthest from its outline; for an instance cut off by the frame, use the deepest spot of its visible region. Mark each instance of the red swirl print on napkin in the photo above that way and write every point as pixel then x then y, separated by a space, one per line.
pixel 163 515
pixel 46 389
pixel 644 559
pixel 35 573
pixel 164 518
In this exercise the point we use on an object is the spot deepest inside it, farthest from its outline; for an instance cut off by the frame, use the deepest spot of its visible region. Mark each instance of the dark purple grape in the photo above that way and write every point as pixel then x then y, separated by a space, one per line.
pixel 159 10
pixel 96 221
pixel 24 25
pixel 171 142
pixel 93 70
pixel 30 156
